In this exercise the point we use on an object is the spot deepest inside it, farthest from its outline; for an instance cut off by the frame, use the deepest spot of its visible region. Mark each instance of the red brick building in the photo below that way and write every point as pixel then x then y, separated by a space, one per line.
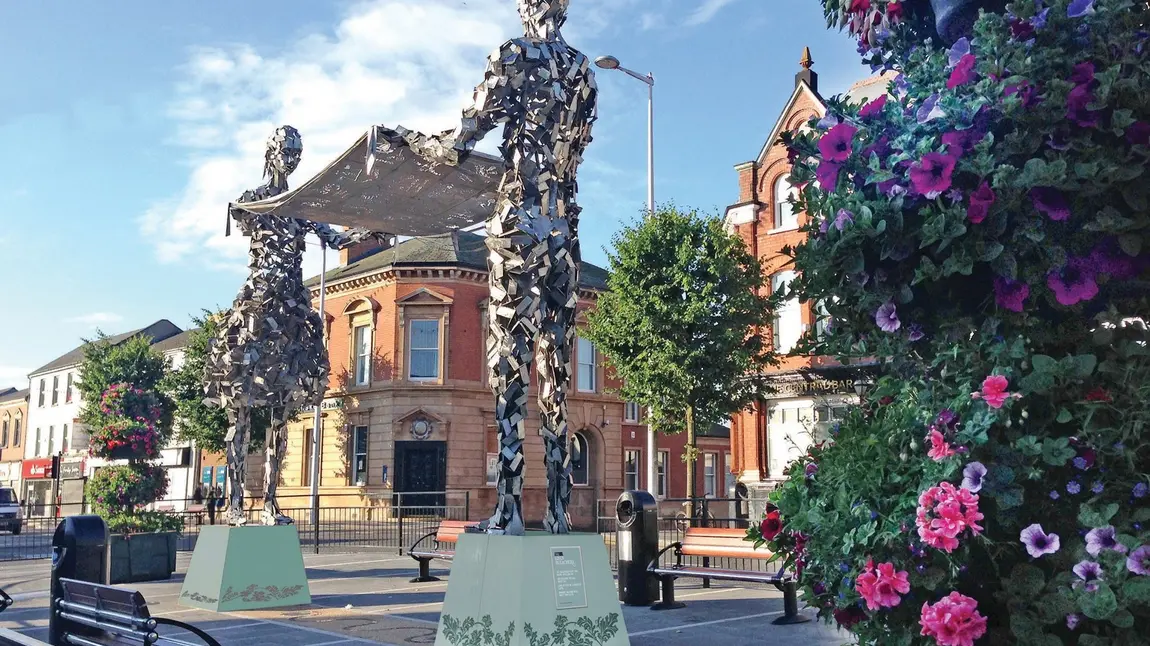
pixel 811 392
pixel 13 422
pixel 409 409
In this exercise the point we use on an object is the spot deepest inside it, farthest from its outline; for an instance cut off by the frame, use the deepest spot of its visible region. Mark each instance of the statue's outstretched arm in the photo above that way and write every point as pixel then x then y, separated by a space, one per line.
pixel 339 239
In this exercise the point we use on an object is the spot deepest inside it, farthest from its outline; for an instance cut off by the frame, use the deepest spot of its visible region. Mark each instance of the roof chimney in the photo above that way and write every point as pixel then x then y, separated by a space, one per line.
pixel 363 249
pixel 807 75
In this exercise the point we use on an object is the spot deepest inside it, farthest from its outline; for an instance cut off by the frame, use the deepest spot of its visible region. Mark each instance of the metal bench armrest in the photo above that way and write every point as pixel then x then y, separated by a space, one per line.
pixel 5 601
pixel 677 546
pixel 421 539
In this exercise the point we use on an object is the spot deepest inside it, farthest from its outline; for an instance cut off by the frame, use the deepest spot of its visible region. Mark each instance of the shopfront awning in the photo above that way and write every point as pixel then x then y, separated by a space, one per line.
pixel 402 195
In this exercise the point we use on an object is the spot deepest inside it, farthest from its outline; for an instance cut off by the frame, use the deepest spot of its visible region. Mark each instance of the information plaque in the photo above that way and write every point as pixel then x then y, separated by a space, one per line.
pixel 570 586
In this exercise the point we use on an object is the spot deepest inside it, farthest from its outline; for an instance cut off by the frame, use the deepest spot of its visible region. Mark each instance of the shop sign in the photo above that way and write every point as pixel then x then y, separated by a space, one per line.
pixel 72 469
pixel 331 403
pixel 37 468
pixel 6 470
pixel 813 387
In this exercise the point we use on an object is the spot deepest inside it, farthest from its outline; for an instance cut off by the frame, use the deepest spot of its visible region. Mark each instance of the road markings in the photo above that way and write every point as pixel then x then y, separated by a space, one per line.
pixel 668 629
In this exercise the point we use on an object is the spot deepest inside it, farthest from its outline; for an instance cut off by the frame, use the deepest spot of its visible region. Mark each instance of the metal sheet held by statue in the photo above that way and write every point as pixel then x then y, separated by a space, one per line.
pixel 403 195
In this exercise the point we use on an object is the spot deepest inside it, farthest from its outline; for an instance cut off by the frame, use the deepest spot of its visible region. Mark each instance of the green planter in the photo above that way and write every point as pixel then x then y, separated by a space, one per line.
pixel 142 557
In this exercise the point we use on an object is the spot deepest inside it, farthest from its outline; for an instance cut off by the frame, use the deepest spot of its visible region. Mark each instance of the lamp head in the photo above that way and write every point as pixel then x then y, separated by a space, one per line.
pixel 607 62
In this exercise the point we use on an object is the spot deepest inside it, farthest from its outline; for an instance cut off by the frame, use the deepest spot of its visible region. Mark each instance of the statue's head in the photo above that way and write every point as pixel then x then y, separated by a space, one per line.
pixel 537 13
pixel 285 147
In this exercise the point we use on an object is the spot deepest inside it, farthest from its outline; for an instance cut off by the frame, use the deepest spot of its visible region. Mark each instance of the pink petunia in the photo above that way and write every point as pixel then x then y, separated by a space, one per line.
pixel 827 175
pixel 1050 202
pixel 994 391
pixel 931 176
pixel 873 108
pixel 836 146
pixel 1074 283
pixel 1010 294
pixel 962 73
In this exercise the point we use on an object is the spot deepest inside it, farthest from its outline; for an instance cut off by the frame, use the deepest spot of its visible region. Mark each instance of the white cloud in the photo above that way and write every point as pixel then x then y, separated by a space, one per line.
pixel 409 62
pixel 651 20
pixel 97 318
pixel 706 11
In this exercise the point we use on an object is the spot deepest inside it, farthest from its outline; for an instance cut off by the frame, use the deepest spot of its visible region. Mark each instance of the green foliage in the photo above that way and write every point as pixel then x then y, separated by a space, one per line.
pixel 197 421
pixel 1041 289
pixel 679 321
pixel 134 362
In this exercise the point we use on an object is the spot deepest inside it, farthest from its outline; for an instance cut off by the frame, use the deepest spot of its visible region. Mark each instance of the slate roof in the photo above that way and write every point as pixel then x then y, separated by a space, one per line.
pixel 177 342
pixel 158 331
pixel 12 395
pixel 456 249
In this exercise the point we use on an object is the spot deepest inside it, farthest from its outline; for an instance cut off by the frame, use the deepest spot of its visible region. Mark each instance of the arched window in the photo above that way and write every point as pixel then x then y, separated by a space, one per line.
pixel 4 431
pixel 785 216
pixel 16 430
pixel 580 454
pixel 788 325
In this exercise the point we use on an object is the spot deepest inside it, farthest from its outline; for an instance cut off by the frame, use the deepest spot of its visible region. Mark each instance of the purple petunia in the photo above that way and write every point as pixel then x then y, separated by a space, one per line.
pixel 827 122
pixel 843 218
pixel 1054 495
pixel 914 332
pixel 972 476
pixel 980 202
pixel 873 108
pixel 1097 487
pixel 962 73
pixel 1072 621
pixel 1088 571
pixel 1102 538
pixel 1039 19
pixel 1139 490
pixel 1079 8
pixel 1080 463
pixel 931 176
pixel 960 48
pixel 1073 487
pixel 835 146
pixel 1010 294
pixel 1139 561
pixel 1138 133
pixel 1038 543
pixel 1050 202
pixel 887 317
pixel 827 175
pixel 929 110
pixel 1074 283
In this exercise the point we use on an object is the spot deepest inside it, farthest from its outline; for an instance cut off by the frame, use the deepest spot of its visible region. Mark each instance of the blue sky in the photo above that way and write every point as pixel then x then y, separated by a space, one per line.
pixel 126 127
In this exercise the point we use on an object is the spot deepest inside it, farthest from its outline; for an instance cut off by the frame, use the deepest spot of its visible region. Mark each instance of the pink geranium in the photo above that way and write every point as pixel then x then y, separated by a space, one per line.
pixel 882 587
pixel 953 620
pixel 994 391
pixel 939 449
pixel 945 512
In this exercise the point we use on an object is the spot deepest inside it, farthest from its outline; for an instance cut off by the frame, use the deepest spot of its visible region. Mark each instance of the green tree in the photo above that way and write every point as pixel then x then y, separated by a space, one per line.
pixel 680 322
pixel 132 361
pixel 196 421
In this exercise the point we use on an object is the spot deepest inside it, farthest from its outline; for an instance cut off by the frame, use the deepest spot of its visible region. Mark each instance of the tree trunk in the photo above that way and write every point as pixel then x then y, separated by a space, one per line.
pixel 691 485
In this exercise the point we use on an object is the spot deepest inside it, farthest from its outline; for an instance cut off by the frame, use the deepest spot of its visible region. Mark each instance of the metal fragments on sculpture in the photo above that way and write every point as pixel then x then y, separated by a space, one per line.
pixel 269 351
pixel 542 91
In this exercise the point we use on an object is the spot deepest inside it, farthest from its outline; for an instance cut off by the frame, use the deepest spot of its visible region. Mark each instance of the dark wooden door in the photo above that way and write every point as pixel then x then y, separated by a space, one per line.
pixel 421 475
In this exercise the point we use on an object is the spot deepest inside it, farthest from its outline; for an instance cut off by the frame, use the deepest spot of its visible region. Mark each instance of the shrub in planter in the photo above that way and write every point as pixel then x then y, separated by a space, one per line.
pixel 981 232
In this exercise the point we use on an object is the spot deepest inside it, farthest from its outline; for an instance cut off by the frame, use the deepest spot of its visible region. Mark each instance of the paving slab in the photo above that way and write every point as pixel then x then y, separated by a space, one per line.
pixel 368 599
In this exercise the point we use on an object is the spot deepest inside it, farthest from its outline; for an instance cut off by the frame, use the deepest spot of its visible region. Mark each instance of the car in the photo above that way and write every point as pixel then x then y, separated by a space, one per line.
pixel 11 515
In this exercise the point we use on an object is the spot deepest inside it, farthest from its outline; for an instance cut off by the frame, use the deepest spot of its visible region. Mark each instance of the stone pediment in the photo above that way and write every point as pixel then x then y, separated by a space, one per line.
pixel 424 296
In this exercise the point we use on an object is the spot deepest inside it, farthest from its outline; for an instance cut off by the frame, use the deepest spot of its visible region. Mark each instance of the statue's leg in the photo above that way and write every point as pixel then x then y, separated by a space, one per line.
pixel 510 346
pixel 556 344
pixel 274 450
pixel 237 444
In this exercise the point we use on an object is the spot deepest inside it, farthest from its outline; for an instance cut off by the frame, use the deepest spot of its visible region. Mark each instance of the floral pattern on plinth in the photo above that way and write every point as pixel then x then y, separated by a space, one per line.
pixel 254 593
pixel 473 632
pixel 584 631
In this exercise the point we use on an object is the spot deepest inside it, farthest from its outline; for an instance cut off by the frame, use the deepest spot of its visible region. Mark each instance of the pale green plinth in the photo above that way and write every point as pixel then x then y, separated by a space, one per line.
pixel 519 591
pixel 246 568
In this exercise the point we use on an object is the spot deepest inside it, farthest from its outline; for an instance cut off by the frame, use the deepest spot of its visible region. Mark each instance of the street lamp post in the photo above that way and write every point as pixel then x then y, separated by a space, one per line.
pixel 317 424
pixel 612 63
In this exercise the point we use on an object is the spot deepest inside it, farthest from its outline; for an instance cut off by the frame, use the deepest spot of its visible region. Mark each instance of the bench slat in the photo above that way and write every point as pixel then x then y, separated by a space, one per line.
pixel 721 542
pixel 723 575
pixel 449 530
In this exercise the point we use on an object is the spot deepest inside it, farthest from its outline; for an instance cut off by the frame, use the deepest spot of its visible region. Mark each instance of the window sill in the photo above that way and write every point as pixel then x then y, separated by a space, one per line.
pixel 783 230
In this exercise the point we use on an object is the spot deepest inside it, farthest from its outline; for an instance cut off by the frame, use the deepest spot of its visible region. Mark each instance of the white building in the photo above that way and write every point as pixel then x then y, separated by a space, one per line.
pixel 54 404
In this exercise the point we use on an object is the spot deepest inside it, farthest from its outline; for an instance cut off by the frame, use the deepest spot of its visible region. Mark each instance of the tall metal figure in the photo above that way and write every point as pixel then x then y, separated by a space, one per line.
pixel 269 351
pixel 543 92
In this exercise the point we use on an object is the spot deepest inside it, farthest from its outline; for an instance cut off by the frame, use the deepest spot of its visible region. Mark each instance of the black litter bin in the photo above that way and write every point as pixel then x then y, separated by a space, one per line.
pixel 637 543
pixel 79 551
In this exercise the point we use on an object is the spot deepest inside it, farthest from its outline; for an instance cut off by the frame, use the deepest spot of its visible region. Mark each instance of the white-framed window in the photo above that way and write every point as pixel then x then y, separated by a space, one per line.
pixel 51 440
pixel 423 350
pixel 36 446
pixel 55 390
pixel 585 351
pixel 661 473
pixel 43 386
pixel 710 474
pixel 788 324
pixel 729 479
pixel 632 459
pixel 361 344
pixel 785 215
pixel 4 431
pixel 68 390
pixel 359 456
pixel 630 412
pixel 492 469
pixel 64 440
pixel 16 430
pixel 580 455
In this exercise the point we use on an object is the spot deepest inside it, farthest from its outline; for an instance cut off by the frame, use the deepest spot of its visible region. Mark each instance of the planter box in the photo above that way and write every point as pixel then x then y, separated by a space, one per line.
pixel 142 557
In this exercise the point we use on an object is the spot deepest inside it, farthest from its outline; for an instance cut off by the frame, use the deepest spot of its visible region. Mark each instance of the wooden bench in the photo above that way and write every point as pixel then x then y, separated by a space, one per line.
pixel 447 534
pixel 91 614
pixel 716 542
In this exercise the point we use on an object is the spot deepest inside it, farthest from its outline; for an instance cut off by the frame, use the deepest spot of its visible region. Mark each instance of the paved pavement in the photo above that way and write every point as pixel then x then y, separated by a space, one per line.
pixel 366 599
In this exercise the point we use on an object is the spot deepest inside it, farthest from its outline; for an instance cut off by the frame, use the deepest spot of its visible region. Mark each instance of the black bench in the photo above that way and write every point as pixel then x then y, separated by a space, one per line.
pixel 447 534
pixel 91 614
pixel 716 542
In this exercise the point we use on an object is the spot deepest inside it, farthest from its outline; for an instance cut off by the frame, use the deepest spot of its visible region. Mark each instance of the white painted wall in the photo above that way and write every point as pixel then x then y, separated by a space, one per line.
pixel 50 418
